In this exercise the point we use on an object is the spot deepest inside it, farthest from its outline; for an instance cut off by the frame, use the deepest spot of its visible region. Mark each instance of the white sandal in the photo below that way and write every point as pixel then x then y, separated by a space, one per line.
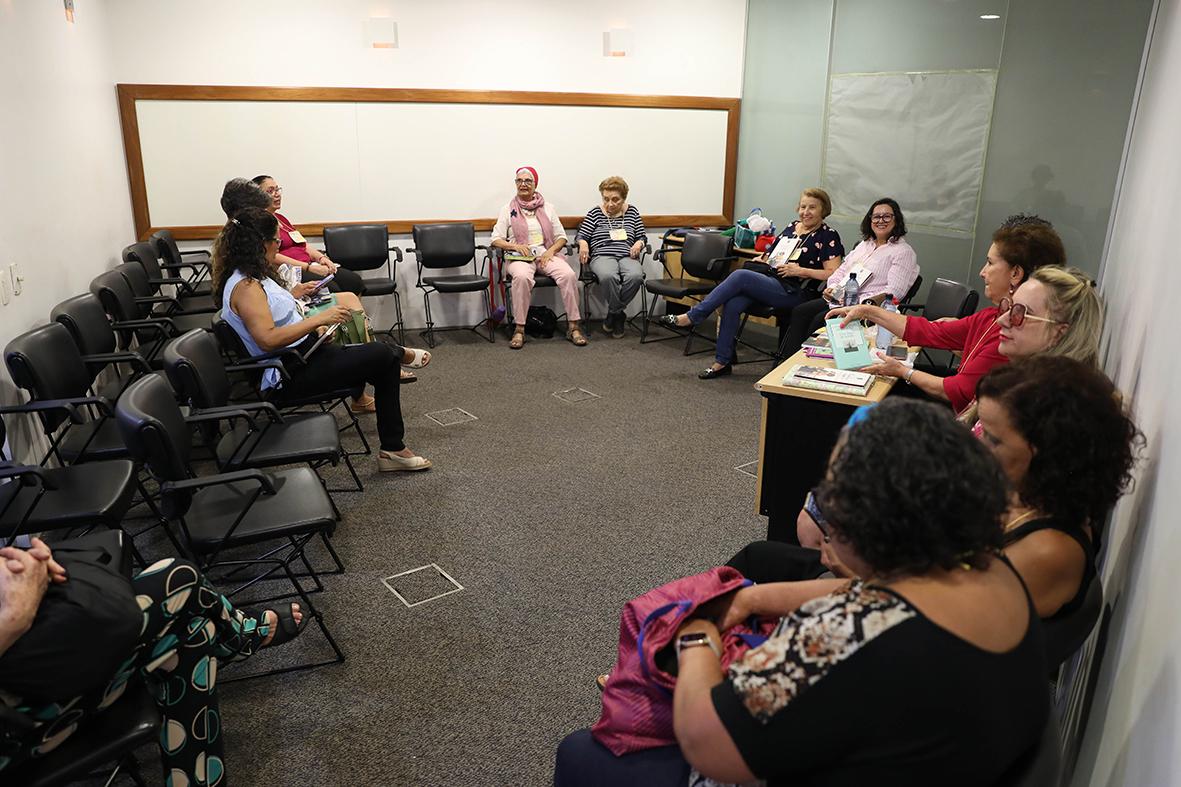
pixel 387 463
pixel 421 358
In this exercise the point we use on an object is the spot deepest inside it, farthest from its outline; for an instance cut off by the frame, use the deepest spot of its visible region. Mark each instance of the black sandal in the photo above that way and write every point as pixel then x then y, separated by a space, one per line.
pixel 286 629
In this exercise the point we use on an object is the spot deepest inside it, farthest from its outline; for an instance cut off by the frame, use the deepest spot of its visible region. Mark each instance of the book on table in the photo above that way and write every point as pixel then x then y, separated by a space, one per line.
pixel 820 378
pixel 850 350
pixel 818 347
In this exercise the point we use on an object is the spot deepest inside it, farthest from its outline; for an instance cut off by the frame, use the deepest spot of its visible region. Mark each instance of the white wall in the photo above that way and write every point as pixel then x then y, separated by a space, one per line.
pixel 1133 732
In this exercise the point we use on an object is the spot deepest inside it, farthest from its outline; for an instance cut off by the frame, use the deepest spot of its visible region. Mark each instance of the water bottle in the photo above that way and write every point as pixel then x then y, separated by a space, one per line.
pixel 852 291
pixel 885 338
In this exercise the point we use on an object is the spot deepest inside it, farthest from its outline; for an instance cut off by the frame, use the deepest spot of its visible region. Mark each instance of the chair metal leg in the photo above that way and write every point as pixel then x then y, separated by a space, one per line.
pixel 648 320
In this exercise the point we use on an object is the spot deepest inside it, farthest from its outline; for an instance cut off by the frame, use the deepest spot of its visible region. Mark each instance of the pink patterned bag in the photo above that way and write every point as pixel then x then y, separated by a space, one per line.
pixel 638 699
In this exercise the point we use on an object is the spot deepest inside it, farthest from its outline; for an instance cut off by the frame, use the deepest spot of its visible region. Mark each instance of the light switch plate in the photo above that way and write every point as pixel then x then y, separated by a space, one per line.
pixel 5 291
pixel 14 271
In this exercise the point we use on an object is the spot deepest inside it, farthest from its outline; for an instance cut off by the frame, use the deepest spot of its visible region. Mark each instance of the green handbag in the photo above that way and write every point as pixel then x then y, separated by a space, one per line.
pixel 356 329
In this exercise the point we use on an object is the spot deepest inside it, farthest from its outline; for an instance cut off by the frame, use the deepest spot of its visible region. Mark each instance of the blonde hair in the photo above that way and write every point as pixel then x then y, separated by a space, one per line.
pixel 822 196
pixel 1072 299
pixel 614 183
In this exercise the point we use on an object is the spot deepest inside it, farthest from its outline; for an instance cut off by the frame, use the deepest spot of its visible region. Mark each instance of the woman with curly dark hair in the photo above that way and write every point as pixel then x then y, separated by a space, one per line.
pixel 265 316
pixel 1059 431
pixel 939 634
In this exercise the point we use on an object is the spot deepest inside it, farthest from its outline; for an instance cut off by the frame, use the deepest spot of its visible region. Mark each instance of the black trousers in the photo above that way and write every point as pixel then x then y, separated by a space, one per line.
pixel 806 319
pixel 331 368
pixel 777 561
pixel 344 281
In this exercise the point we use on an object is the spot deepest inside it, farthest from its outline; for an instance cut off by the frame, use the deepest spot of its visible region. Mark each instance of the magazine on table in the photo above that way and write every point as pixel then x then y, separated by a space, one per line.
pixel 822 378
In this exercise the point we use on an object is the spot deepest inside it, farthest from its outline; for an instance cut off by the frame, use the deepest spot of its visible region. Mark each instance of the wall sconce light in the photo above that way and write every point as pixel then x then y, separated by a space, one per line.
pixel 70 11
pixel 617 42
pixel 382 33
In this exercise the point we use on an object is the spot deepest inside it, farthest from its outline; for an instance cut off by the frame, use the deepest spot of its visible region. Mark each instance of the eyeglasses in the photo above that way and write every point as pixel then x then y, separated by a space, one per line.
pixel 276 240
pixel 522 182
pixel 274 191
pixel 812 506
pixel 881 218
pixel 1018 313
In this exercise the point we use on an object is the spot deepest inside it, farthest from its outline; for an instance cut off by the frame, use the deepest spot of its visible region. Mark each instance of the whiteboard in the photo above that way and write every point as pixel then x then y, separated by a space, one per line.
pixel 406 161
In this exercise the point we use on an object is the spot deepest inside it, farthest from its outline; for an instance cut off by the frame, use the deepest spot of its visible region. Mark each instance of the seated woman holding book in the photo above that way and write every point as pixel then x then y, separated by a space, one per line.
pixel 265 317
pixel 939 614
pixel 804 255
pixel 1022 245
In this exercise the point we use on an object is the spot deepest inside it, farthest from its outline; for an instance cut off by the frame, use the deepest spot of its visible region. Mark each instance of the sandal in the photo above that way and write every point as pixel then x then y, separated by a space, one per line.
pixel 518 340
pixel 577 340
pixel 363 406
pixel 421 358
pixel 601 682
pixel 286 629
pixel 388 463
pixel 407 378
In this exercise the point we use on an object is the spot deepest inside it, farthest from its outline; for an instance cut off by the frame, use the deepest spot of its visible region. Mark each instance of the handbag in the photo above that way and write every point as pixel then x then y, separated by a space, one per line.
pixel 541 322
pixel 85 629
pixel 637 700
pixel 356 329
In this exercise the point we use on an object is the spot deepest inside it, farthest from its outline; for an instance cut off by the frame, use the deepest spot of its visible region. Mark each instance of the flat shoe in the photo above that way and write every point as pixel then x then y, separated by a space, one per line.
pixel 421 358
pixel 669 320
pixel 407 378
pixel 392 463
pixel 710 372
pixel 363 406
pixel 286 629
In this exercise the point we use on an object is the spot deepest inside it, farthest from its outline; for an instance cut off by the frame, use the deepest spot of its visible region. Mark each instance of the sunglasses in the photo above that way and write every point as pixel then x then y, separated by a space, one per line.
pixel 1018 313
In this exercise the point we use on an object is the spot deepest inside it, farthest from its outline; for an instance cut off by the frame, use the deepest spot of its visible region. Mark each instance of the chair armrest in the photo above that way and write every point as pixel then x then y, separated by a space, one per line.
pixel 171 280
pixel 714 265
pixel 271 411
pixel 164 326
pixel 397 252
pixel 159 299
pixel 69 405
pixel 194 251
pixel 911 307
pixel 27 475
pixel 135 359
pixel 232 414
pixel 197 267
pixel 261 365
pixel 219 479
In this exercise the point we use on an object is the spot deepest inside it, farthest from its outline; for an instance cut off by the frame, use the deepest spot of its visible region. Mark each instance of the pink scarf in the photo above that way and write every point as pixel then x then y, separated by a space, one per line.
pixel 516 212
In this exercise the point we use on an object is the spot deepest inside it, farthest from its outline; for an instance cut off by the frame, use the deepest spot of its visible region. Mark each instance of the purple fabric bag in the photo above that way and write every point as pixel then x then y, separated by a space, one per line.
pixel 638 700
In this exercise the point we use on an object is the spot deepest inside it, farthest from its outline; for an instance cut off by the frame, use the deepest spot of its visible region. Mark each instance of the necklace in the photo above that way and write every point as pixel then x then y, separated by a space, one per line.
pixel 1018 520
pixel 983 336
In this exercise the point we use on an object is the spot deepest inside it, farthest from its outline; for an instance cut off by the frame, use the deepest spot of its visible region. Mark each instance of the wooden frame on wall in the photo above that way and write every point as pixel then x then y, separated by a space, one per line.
pixel 129 94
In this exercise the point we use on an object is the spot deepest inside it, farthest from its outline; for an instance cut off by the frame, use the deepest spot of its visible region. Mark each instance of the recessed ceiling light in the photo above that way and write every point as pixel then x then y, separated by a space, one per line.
pixel 990 16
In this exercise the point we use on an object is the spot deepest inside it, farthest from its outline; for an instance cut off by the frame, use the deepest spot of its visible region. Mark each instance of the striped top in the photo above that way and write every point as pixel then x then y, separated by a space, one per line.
pixel 596 231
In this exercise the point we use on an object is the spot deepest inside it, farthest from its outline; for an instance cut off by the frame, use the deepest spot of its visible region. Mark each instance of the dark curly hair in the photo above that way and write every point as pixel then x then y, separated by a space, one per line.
pixel 242 246
pixel 899 222
pixel 1084 444
pixel 1030 242
pixel 911 489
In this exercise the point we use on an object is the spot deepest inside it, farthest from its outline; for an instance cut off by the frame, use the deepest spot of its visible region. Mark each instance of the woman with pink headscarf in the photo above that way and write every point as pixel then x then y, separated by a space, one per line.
pixel 531 235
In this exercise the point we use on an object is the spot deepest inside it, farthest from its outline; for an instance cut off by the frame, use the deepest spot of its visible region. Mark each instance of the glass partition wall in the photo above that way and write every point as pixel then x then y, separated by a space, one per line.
pixel 965 111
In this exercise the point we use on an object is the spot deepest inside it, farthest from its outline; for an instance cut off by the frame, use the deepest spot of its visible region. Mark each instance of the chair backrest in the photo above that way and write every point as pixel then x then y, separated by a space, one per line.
pixel 444 245
pixel 194 367
pixel 141 286
pixel 146 255
pixel 230 341
pixel 151 424
pixel 1066 635
pixel 358 247
pixel 166 247
pixel 87 323
pixel 700 248
pixel 118 301
pixel 913 291
pixel 947 298
pixel 46 363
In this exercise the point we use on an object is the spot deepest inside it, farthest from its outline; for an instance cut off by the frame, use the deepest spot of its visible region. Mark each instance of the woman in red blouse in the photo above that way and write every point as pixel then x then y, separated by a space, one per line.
pixel 1021 245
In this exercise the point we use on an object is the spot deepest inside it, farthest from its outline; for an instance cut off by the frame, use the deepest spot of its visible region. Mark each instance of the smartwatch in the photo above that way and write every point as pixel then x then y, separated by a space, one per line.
pixel 696 640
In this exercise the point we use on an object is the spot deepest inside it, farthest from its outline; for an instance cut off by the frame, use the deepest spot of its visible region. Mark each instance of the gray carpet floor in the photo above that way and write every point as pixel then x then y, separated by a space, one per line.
pixel 550 514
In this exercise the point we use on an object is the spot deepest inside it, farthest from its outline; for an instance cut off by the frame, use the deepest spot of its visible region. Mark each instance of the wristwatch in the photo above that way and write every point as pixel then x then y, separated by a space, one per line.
pixel 693 641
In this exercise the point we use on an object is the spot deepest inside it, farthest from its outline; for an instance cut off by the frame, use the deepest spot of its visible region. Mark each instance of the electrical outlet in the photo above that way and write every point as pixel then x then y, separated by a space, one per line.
pixel 5 292
pixel 17 279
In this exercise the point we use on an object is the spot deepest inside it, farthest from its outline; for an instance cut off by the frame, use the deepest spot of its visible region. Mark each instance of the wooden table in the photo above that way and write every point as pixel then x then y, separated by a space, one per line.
pixel 799 429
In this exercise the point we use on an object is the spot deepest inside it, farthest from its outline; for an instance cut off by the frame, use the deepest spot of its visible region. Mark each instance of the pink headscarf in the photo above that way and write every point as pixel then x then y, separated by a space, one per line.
pixel 517 210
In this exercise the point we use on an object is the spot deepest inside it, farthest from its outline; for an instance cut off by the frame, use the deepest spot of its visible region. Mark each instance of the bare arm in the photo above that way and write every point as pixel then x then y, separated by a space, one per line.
pixel 704 740
pixel 893 322
pixel 249 301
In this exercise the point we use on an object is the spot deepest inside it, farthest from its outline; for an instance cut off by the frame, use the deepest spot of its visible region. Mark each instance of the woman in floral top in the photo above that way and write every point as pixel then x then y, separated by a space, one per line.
pixel 930 671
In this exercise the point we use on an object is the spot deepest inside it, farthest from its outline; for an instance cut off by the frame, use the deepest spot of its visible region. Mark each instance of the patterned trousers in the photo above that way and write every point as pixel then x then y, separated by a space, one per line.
pixel 187 627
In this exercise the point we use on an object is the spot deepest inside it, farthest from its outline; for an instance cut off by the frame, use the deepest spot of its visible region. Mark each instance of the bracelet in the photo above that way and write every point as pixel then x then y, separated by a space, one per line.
pixel 908 376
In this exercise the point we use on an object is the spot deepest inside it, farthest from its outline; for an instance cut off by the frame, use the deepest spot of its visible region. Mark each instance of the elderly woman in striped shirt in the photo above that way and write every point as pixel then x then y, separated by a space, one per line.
pixel 612 237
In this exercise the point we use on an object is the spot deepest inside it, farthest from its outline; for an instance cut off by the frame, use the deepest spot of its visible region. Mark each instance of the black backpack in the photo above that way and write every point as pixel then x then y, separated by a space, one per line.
pixel 541 322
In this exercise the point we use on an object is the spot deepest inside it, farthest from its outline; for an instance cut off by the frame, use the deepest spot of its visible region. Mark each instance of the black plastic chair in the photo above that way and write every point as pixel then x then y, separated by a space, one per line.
pixel 146 254
pixel 172 259
pixel 366 247
pixel 130 722
pixel 153 305
pixel 262 437
pixel 91 330
pixel 438 247
pixel 254 366
pixel 946 298
pixel 41 499
pixel 220 513
pixel 705 261
pixel 145 336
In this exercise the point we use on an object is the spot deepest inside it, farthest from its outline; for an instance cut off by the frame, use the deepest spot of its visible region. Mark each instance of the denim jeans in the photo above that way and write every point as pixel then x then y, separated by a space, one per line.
pixel 736 293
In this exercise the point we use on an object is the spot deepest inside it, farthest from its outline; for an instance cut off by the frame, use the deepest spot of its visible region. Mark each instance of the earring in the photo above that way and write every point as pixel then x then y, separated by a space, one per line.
pixel 1012 289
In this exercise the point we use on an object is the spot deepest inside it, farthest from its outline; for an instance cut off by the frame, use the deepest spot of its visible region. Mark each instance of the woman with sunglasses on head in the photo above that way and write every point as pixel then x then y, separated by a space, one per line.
pixel 264 315
pixel 939 633
pixel 529 229
pixel 1022 245
pixel 794 281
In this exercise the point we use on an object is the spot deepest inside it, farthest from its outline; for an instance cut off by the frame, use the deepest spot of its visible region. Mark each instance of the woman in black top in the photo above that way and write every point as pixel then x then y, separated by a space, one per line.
pixel 795 279
pixel 1060 432
pixel 930 671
